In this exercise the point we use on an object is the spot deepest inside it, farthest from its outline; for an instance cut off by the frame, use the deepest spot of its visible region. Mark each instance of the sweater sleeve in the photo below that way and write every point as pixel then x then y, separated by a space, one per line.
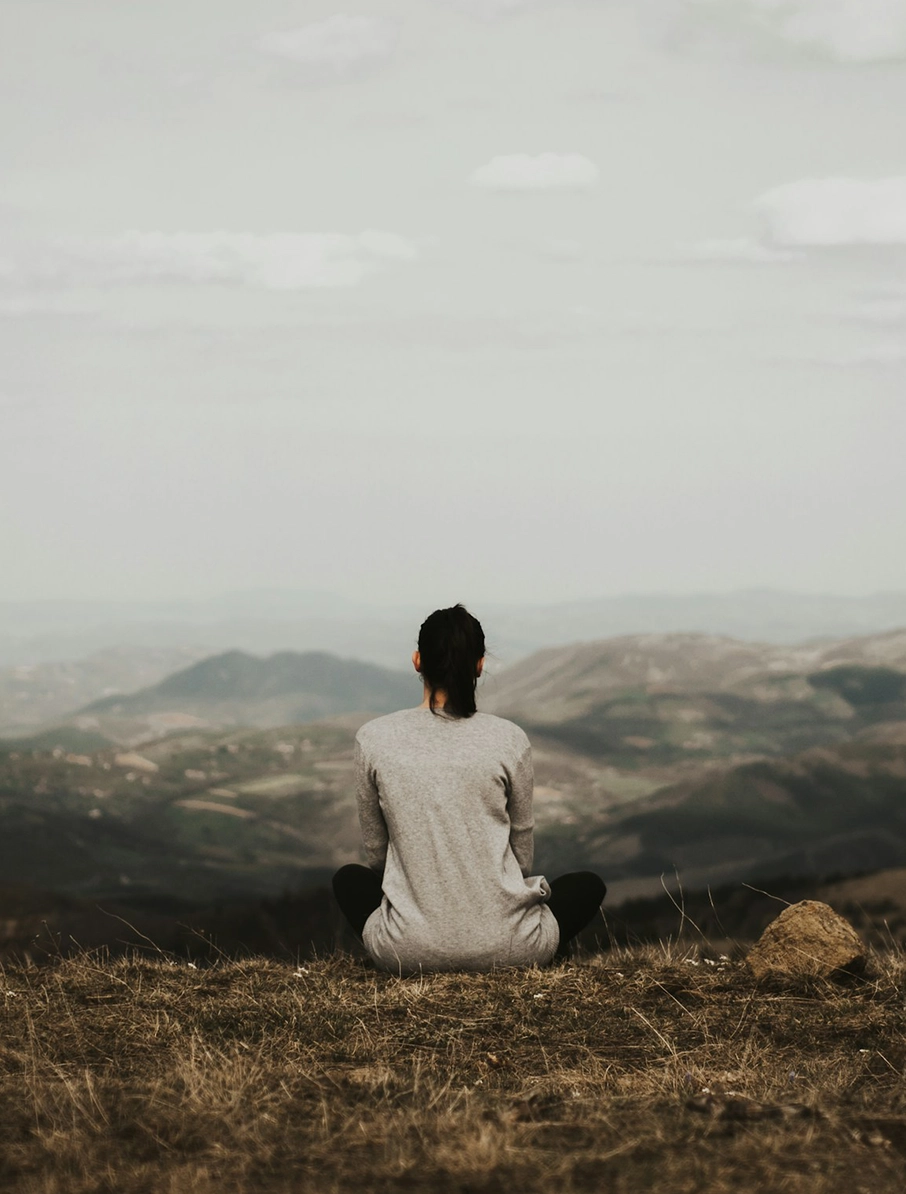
pixel 371 819
pixel 519 807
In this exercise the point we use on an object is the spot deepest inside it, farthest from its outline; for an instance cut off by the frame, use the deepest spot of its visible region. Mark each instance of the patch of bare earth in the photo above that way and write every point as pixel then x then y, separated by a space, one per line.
pixel 654 1069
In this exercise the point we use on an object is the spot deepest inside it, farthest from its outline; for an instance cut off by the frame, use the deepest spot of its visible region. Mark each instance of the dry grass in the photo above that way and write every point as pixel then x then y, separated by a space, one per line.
pixel 144 1075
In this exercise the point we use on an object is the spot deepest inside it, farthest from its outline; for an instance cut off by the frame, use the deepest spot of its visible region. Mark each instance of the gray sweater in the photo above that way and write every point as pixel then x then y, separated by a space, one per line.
pixel 445 806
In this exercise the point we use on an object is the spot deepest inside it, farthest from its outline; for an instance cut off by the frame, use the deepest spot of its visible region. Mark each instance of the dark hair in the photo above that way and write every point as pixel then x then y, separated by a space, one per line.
pixel 450 643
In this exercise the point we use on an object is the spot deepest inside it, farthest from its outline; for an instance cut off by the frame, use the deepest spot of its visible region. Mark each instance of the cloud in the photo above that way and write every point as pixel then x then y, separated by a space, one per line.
pixel 742 250
pixel 561 248
pixel 490 10
pixel 817 213
pixel 884 311
pixel 25 306
pixel 336 47
pixel 543 172
pixel 828 212
pixel 871 356
pixel 842 30
pixel 279 261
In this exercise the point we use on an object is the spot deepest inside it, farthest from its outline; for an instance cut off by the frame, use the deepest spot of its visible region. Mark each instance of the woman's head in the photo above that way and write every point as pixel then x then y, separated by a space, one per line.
pixel 450 656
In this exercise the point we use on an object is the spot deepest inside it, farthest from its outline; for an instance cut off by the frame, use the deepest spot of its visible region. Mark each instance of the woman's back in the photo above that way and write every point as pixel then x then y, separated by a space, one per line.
pixel 445 805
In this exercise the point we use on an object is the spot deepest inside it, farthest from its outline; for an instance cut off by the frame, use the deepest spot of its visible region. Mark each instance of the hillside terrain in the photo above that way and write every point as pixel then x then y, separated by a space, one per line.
pixel 703 758
pixel 195 815
pixel 717 758
pixel 196 820
pixel 825 811
pixel 669 1068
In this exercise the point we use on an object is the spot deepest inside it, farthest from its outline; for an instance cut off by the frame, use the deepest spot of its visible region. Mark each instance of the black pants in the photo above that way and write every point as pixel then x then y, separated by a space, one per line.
pixel 575 898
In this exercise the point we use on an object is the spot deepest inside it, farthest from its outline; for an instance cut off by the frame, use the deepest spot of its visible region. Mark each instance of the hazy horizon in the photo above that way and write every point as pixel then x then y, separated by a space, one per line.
pixel 501 301
pixel 334 600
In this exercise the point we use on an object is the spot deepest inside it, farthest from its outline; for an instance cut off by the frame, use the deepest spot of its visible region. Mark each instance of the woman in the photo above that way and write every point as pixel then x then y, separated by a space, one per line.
pixel 445 805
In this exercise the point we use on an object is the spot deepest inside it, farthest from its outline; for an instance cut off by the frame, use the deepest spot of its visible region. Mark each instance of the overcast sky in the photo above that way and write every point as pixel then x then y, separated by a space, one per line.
pixel 435 300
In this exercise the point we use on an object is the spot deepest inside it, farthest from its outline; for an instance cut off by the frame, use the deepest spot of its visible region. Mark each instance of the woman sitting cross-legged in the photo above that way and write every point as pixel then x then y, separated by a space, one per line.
pixel 445 806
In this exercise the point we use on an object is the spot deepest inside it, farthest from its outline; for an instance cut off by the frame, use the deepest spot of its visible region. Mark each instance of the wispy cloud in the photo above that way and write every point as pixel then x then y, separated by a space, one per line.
pixel 885 355
pixel 815 214
pixel 561 248
pixel 280 261
pixel 541 172
pixel 842 30
pixel 885 310
pixel 489 10
pixel 827 212
pixel 27 306
pixel 741 250
pixel 339 46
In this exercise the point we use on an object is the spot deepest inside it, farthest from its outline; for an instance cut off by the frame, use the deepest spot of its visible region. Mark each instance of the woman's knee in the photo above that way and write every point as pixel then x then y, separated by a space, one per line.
pixel 593 884
pixel 352 873
pixel 584 884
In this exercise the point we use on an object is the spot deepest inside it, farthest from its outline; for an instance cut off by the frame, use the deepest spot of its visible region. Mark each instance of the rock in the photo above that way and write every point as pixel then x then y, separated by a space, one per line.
pixel 808 938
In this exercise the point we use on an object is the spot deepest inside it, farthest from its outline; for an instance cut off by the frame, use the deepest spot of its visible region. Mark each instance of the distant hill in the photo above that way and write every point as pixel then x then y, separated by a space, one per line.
pixel 236 688
pixel 659 700
pixel 31 695
pixel 561 681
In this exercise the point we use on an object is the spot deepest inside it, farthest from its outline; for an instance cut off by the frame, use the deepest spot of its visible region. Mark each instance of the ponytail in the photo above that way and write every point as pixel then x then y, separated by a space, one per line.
pixel 450 643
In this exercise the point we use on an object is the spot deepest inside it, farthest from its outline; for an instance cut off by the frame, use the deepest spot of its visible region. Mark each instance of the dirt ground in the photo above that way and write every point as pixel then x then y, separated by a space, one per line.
pixel 657 1068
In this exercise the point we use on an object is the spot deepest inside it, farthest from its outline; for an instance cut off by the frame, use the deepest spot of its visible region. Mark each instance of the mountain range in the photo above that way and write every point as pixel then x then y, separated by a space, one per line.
pixel 718 759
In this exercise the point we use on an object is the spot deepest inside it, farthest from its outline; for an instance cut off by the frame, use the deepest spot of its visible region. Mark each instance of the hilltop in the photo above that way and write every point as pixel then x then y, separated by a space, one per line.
pixel 667 1068
pixel 238 689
